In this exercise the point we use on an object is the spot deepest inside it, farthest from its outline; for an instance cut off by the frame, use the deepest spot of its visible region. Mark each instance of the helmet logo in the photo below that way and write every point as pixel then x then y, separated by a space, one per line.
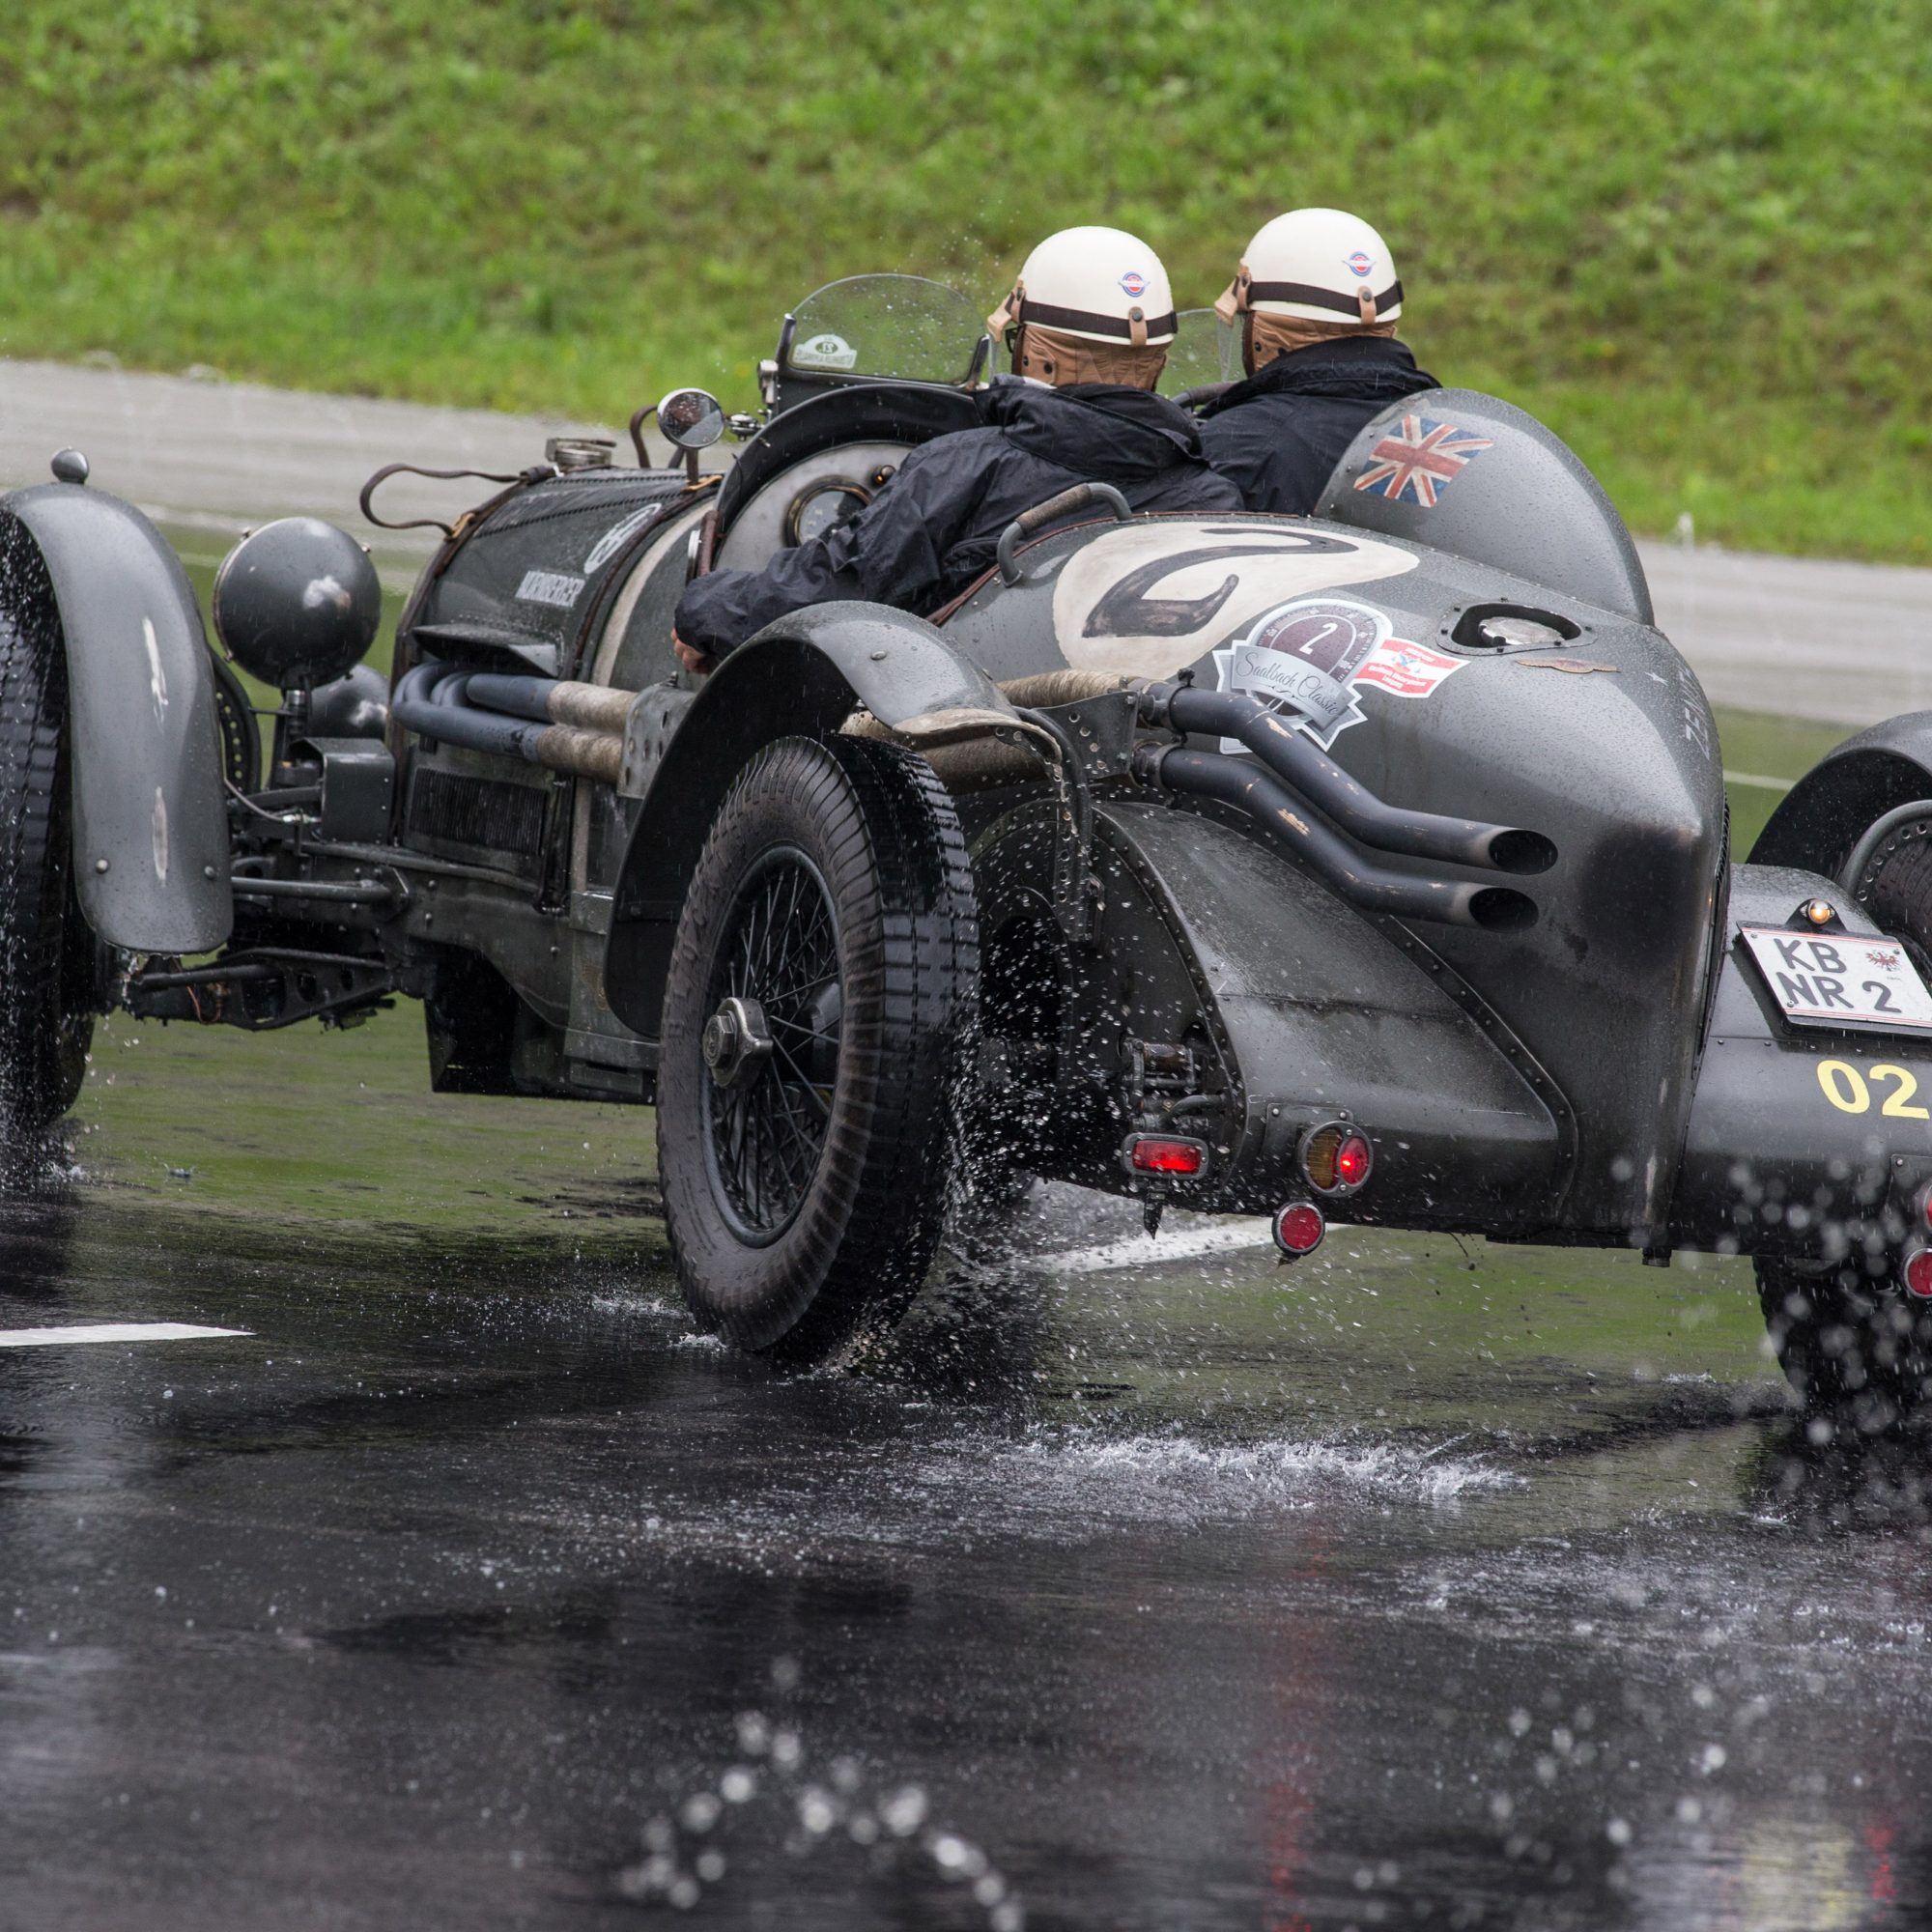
pixel 1359 263
pixel 1134 283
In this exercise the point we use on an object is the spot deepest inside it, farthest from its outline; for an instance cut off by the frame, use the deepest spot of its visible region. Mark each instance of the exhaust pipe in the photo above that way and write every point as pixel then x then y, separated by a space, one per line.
pixel 1369 820
pixel 1356 877
pixel 433 700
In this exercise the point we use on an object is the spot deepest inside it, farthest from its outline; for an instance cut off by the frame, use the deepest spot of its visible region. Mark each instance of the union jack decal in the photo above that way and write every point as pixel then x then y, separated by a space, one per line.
pixel 1423 460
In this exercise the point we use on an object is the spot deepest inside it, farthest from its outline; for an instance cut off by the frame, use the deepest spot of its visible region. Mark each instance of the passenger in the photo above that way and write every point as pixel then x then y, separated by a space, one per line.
pixel 1087 325
pixel 1316 297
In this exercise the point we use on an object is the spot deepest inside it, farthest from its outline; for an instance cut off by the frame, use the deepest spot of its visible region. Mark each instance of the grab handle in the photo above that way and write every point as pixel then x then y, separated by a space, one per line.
pixel 1055 507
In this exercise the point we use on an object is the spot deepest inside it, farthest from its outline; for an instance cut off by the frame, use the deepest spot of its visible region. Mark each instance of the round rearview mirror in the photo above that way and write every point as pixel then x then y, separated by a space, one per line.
pixel 692 418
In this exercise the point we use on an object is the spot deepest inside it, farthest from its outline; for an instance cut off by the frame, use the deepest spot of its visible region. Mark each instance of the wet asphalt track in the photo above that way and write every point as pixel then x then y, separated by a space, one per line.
pixel 1412 1587
pixel 470 1588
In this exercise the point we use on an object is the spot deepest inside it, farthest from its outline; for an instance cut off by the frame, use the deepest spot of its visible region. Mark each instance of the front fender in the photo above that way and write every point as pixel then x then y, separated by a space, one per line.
pixel 802 676
pixel 1821 817
pixel 150 824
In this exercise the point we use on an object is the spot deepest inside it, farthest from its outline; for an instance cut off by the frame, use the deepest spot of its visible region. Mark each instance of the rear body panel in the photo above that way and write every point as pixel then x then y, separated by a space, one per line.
pixel 1601 740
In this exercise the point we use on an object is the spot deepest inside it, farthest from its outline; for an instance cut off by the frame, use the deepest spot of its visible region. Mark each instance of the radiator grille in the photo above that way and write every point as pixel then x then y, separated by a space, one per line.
pixel 503 819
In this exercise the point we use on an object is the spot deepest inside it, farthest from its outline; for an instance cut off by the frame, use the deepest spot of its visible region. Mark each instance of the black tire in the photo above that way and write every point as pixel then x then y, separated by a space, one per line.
pixel 1895 884
pixel 1855 1346
pixel 805 1192
pixel 47 953
pixel 1858 1353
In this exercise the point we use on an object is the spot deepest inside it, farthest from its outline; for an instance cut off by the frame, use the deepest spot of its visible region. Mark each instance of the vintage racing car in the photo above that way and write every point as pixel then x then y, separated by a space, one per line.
pixel 1366 867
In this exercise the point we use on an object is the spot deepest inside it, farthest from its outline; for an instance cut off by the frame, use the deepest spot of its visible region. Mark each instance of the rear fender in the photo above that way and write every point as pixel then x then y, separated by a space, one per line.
pixel 1319 1013
pixel 150 823
pixel 800 678
pixel 1820 818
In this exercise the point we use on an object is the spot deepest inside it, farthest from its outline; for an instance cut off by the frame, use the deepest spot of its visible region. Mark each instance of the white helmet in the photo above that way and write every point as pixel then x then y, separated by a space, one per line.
pixel 1320 264
pixel 1102 284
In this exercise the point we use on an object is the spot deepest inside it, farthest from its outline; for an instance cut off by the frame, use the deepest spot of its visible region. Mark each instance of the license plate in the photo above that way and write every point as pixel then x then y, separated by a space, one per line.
pixel 1841 980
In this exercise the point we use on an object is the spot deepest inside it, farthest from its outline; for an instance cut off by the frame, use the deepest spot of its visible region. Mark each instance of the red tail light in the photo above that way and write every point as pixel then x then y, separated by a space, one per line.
pixel 1298 1229
pixel 1153 1153
pixel 1918 1274
pixel 1336 1158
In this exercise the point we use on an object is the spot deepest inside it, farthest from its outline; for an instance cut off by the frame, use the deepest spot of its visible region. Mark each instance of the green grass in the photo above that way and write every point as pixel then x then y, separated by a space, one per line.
pixel 1762 746
pixel 1686 232
pixel 340 1127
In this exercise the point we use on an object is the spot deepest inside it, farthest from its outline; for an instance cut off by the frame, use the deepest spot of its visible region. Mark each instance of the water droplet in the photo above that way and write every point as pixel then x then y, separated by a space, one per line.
pixel 904 1811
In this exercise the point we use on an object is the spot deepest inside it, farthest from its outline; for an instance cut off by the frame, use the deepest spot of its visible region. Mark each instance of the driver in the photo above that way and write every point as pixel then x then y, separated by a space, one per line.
pixel 1316 297
pixel 1087 325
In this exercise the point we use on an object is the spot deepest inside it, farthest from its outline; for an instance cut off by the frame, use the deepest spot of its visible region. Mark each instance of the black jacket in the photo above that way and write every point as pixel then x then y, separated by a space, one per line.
pixel 934 528
pixel 1278 436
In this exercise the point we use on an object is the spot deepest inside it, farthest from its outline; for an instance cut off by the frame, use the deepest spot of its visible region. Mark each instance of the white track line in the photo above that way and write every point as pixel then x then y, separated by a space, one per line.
pixel 109 1331
pixel 1175 1245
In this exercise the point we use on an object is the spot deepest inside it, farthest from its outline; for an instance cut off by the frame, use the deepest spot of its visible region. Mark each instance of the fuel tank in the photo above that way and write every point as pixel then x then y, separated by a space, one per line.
pixel 1453 686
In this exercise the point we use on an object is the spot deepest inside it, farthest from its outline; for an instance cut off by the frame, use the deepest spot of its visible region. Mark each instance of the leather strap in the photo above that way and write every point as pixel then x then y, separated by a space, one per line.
pixel 1080 318
pixel 1313 297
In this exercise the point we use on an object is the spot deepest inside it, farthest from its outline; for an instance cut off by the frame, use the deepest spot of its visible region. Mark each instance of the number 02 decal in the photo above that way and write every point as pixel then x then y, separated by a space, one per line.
pixel 1844 1086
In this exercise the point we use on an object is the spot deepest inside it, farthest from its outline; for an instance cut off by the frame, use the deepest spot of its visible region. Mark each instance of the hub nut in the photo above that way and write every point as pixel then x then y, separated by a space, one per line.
pixel 736 1041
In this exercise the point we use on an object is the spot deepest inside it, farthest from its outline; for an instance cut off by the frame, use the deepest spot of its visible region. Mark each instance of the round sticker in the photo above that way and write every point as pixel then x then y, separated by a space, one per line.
pixel 1360 263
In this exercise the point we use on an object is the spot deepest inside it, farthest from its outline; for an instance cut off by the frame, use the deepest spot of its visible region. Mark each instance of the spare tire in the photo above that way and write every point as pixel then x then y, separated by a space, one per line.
pixel 47 977
pixel 820 1014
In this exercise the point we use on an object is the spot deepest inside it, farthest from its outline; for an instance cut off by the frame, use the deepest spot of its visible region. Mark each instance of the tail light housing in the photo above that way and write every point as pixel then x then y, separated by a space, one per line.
pixel 1164 1156
pixel 1336 1158
pixel 1916 1273
pixel 1298 1228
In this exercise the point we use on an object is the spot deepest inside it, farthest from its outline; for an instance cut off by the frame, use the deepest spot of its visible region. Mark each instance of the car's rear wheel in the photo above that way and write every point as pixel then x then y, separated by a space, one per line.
pixel 1858 1352
pixel 822 1010
pixel 46 953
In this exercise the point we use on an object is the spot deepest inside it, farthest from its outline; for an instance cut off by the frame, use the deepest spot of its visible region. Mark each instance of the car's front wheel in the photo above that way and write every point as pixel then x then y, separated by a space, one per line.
pixel 46 953
pixel 817 1028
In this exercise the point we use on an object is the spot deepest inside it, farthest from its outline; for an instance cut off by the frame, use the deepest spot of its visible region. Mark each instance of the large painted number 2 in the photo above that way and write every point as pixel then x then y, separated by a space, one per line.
pixel 1844 1086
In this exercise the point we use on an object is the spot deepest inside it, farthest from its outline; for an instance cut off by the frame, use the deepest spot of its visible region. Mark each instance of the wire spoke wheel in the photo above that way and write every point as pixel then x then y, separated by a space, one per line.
pixel 818 1020
pixel 767 1105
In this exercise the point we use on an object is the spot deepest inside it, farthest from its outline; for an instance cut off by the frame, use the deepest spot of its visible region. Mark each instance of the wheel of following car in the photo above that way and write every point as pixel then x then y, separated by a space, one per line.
pixel 47 1019
pixel 822 1007
pixel 1894 883
pixel 1859 1352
